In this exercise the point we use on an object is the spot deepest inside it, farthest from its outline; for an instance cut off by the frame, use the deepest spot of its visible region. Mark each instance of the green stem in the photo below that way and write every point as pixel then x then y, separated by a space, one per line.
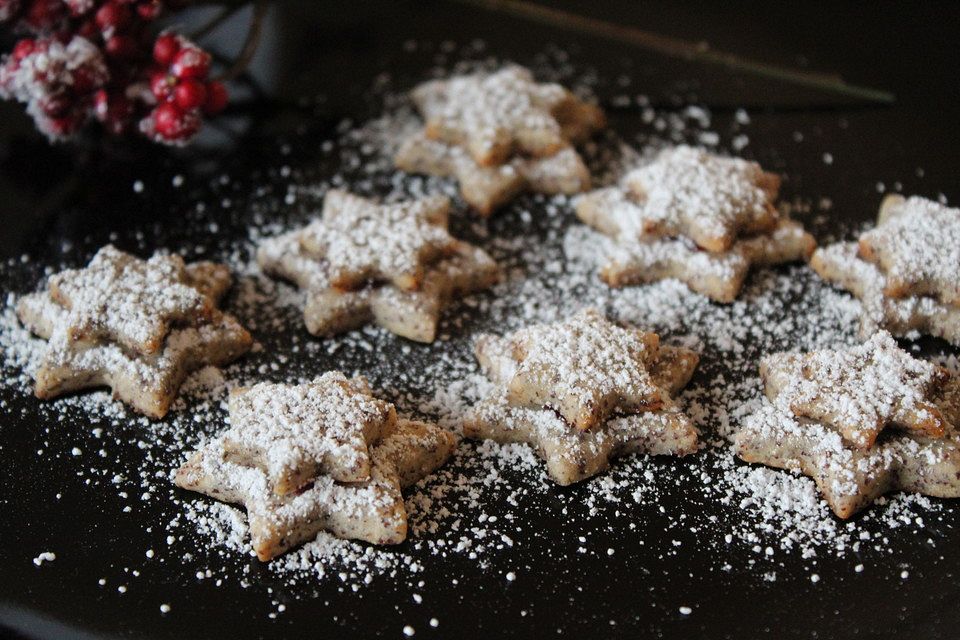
pixel 250 45
pixel 674 47
pixel 225 14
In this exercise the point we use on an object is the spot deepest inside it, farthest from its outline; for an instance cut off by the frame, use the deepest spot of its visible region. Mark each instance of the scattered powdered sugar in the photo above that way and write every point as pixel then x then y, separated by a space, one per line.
pixel 787 511
pixel 491 503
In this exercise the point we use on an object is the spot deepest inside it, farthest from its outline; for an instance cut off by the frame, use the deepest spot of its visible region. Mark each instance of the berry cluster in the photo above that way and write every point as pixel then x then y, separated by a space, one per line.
pixel 57 82
pixel 180 85
pixel 97 60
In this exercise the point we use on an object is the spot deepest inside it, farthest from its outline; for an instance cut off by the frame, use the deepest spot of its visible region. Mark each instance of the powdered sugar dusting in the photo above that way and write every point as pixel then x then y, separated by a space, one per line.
pixel 127 299
pixel 917 241
pixel 491 505
pixel 860 390
pixel 585 367
pixel 496 110
pixel 359 239
pixel 291 431
pixel 687 188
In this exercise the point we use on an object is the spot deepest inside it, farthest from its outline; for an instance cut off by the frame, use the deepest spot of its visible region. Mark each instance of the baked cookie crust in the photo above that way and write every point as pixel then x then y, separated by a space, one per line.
pixel 147 382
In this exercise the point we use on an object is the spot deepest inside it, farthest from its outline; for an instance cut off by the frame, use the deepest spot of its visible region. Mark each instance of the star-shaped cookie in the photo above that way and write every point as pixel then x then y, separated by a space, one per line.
pixel 851 478
pixel 572 454
pixel 372 510
pixel 917 245
pixel 360 240
pixel 586 368
pixel 411 314
pixel 295 432
pixel 130 301
pixel 495 115
pixel 857 391
pixel 719 276
pixel 841 265
pixel 147 382
pixel 686 192
pixel 487 188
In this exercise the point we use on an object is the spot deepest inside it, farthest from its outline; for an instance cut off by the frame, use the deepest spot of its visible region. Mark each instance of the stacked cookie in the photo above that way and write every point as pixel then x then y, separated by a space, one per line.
pixel 325 455
pixel 500 134
pixel 584 391
pixel 392 264
pixel 137 326
pixel 860 421
pixel 906 271
pixel 694 216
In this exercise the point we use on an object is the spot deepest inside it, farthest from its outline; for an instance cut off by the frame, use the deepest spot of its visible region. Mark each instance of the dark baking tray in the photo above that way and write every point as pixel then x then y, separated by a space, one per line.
pixel 81 193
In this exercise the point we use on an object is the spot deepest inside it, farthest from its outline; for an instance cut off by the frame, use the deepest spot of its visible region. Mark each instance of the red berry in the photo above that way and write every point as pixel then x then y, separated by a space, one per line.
pixel 121 47
pixel 161 85
pixel 149 10
pixel 114 112
pixel 64 126
pixel 89 30
pixel 23 48
pixel 165 48
pixel 43 14
pixel 217 97
pixel 83 80
pixel 167 119
pixel 192 63
pixel 55 106
pixel 113 16
pixel 101 102
pixel 78 7
pixel 172 124
pixel 190 94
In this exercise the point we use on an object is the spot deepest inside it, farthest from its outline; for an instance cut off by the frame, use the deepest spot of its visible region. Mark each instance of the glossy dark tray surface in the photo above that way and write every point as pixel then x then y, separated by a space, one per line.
pixel 658 548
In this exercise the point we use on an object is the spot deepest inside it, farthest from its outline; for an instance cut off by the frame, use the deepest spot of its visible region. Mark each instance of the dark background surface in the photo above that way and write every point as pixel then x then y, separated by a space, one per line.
pixel 50 194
